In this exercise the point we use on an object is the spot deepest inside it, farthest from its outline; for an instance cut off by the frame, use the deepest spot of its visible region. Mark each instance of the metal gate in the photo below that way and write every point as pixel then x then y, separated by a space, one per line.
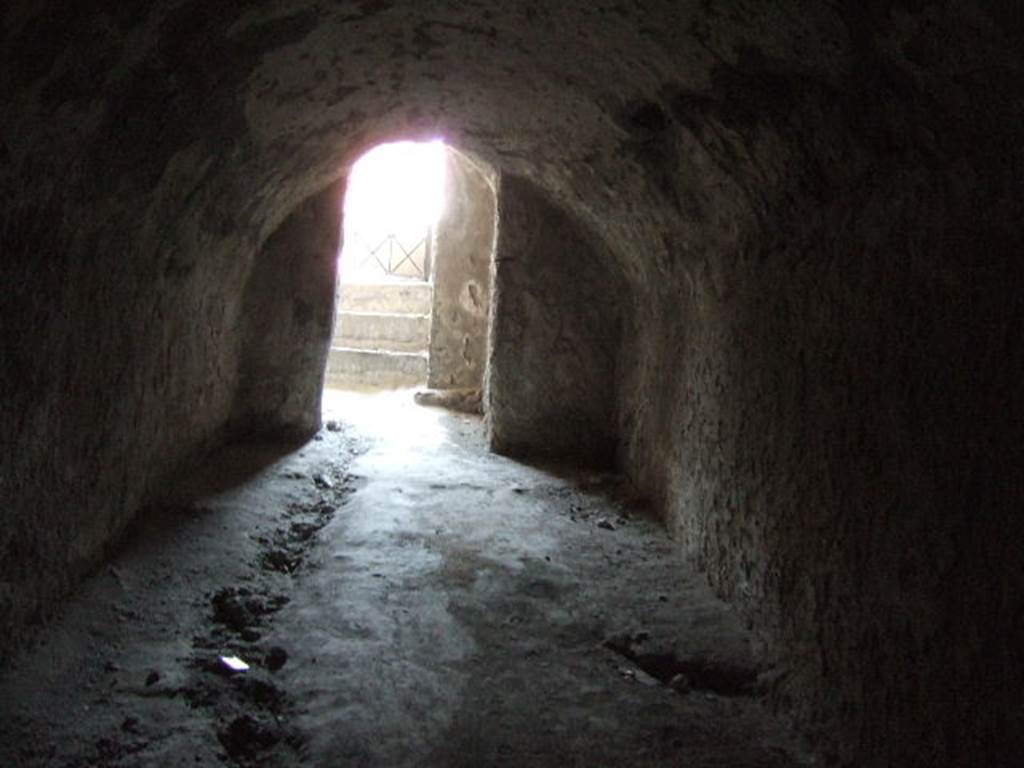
pixel 392 256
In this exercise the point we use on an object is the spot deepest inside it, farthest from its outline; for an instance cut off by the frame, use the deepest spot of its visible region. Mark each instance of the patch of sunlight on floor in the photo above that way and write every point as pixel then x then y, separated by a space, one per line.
pixel 389 415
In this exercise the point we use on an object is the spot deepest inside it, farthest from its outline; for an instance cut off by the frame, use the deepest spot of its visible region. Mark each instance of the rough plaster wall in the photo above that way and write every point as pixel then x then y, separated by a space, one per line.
pixel 771 177
pixel 284 350
pixel 551 385
pixel 123 271
pixel 118 362
pixel 464 249
pixel 842 450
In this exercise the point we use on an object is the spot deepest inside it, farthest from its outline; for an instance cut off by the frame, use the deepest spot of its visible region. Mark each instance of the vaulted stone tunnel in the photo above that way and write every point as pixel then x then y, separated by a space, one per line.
pixel 764 257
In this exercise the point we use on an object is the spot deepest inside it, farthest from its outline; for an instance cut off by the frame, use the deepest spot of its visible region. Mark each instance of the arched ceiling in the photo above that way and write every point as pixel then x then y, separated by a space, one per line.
pixel 230 115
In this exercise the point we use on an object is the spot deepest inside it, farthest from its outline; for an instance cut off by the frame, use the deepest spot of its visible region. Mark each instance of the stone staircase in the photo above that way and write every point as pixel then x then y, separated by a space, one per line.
pixel 381 335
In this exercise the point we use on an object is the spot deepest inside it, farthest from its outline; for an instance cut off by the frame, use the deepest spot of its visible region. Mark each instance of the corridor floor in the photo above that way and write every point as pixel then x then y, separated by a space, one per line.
pixel 402 598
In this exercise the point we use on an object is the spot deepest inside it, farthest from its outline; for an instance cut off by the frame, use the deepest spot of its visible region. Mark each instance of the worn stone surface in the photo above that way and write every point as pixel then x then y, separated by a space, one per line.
pixel 395 297
pixel 378 330
pixel 360 368
pixel 381 334
pixel 813 214
pixel 459 400
pixel 464 249
pixel 437 606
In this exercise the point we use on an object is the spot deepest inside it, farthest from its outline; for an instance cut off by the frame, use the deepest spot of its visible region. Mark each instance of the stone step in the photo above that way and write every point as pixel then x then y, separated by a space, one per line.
pixel 375 368
pixel 391 332
pixel 396 297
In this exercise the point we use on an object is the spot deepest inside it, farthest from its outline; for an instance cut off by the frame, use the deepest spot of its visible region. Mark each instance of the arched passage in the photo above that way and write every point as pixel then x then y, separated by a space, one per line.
pixel 548 345
pixel 814 209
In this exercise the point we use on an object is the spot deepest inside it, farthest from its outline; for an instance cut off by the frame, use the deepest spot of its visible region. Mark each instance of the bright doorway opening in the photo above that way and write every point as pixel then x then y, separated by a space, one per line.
pixel 414 270
pixel 395 197
pixel 394 200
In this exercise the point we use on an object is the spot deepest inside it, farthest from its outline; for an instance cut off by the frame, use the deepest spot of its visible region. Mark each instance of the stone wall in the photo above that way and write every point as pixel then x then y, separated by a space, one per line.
pixel 288 319
pixel 841 442
pixel 464 251
pixel 551 386
pixel 118 363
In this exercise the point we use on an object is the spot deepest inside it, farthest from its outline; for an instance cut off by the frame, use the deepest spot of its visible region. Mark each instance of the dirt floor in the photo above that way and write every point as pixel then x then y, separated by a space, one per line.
pixel 402 598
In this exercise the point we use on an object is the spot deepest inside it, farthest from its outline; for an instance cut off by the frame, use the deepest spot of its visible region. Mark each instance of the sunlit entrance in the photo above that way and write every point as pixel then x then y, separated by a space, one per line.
pixel 415 270
pixel 396 194
pixel 395 198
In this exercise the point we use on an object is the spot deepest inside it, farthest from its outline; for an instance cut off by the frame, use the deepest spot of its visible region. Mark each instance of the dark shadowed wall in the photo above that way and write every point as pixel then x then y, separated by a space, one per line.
pixel 288 317
pixel 551 387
